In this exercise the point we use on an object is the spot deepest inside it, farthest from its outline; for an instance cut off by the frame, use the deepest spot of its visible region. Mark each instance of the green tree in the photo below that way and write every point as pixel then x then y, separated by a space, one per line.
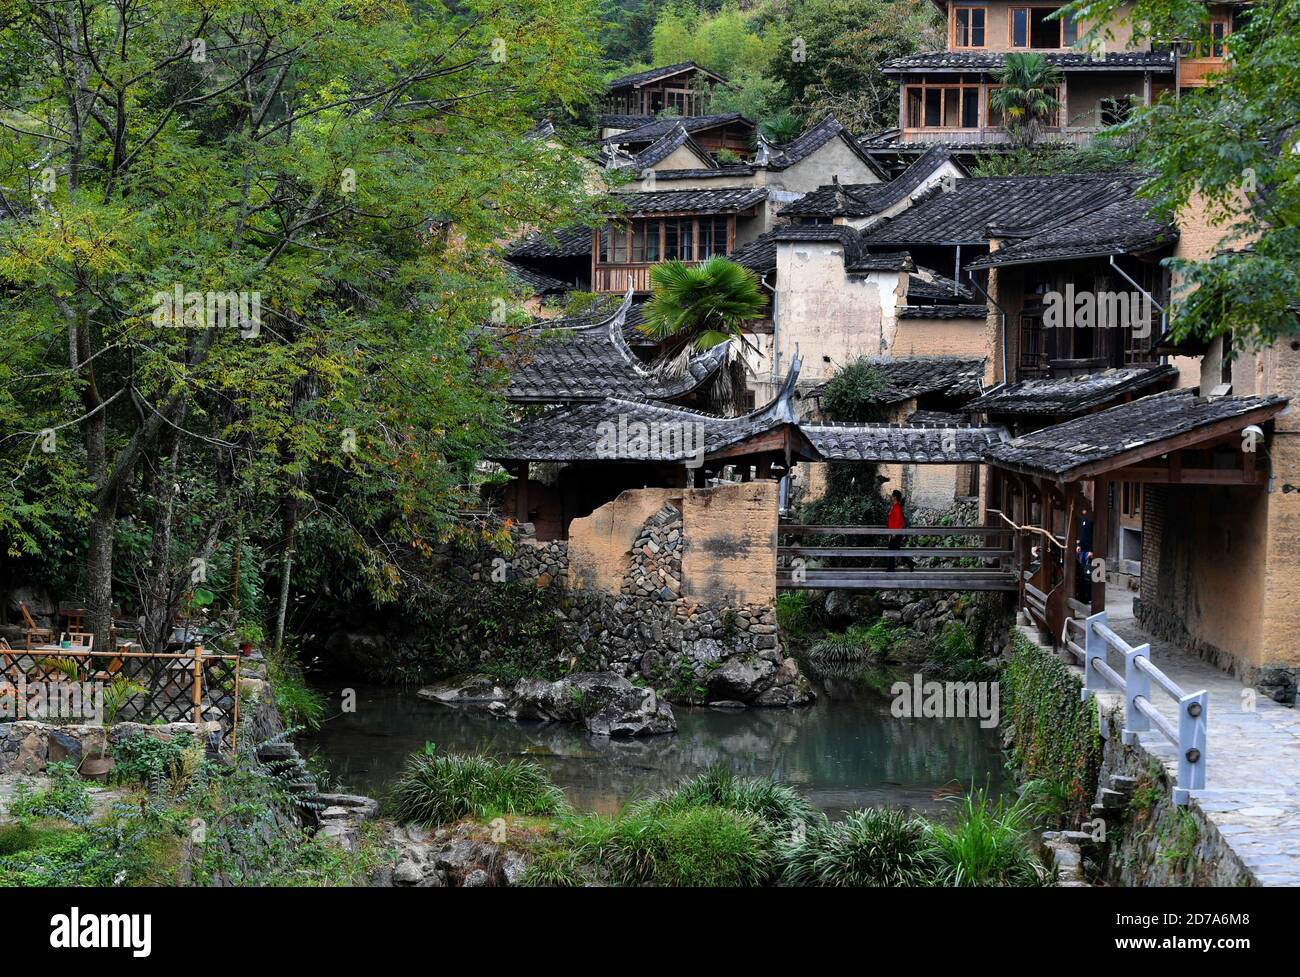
pixel 1025 100
pixel 347 167
pixel 695 307
pixel 1229 151
pixel 831 52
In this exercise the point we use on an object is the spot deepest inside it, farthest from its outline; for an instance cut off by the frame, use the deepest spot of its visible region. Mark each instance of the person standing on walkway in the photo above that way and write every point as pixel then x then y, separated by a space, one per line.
pixel 896 519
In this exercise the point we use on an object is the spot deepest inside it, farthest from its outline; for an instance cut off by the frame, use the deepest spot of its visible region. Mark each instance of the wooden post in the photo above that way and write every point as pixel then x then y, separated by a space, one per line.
pixel 198 687
pixel 1100 538
pixel 521 494
pixel 1071 564
pixel 234 719
pixel 765 467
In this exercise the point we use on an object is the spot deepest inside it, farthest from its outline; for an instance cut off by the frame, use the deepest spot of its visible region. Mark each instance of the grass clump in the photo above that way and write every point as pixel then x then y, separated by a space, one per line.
pixel 987 846
pixel 955 655
pixel 437 788
pixel 860 642
pixel 692 846
pixel 871 847
pixel 794 613
pixel 780 808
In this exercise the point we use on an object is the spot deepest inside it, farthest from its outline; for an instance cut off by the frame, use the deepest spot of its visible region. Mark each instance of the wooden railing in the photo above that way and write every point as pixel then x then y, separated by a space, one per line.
pixel 1140 715
pixel 795 574
pixel 189 686
pixel 1198 72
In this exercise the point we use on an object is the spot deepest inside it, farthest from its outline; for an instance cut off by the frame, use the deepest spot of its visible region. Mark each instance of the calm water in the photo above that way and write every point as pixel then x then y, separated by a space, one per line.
pixel 844 752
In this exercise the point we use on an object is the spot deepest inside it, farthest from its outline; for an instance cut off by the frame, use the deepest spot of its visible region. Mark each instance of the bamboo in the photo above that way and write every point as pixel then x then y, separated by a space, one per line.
pixel 198 686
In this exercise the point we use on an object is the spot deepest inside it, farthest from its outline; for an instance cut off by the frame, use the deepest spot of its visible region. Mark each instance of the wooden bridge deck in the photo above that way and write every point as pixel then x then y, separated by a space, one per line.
pixel 794 573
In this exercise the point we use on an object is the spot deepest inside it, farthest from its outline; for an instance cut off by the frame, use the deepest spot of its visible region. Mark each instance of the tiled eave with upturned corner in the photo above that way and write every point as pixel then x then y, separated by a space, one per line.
pixel 571 361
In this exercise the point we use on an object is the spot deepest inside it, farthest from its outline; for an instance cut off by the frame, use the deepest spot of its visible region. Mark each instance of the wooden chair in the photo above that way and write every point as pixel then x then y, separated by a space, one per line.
pixel 35 634
pixel 9 669
pixel 80 640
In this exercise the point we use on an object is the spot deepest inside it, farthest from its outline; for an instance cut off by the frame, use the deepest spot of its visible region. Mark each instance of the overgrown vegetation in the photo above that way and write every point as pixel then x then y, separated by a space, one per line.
pixel 185 820
pixel 1057 737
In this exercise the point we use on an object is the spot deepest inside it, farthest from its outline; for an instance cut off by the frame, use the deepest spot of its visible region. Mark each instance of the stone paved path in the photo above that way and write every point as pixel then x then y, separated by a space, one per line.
pixel 1252 771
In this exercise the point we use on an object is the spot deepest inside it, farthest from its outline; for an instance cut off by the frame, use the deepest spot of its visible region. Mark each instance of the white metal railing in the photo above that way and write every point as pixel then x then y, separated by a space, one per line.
pixel 1135 684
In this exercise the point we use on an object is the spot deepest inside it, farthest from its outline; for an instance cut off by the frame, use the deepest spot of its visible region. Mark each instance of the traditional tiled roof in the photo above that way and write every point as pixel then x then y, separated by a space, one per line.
pixel 665 146
pixel 639 78
pixel 582 432
pixel 925 283
pixel 1123 226
pixel 1127 433
pixel 920 444
pixel 942 312
pixel 964 214
pixel 720 201
pixel 651 131
pixel 568 360
pixel 785 155
pixel 564 242
pixel 867 199
pixel 729 171
pixel 1073 395
pixel 884 261
pixel 538 283
pixel 905 378
pixel 840 234
pixel 958 61
pixel 624 121
pixel 759 255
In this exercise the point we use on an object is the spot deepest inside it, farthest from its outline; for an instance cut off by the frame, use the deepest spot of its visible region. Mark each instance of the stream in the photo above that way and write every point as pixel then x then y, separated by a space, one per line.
pixel 844 752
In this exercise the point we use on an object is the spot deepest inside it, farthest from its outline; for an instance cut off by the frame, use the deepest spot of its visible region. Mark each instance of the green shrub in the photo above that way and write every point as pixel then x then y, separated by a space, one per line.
pixel 22 836
pixel 695 846
pixel 872 847
pixel 779 807
pixel 66 798
pixel 793 613
pixel 298 703
pixel 436 789
pixel 955 656
pixel 148 761
pixel 555 867
pixel 988 844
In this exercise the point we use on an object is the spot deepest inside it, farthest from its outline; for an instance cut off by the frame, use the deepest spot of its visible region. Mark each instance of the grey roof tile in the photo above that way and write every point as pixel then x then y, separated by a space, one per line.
pixel 654 74
pixel 652 131
pixel 918 443
pixel 563 242
pixel 938 311
pixel 581 432
pixel 1072 395
pixel 720 201
pixel 908 377
pixel 948 61
pixel 867 199
pixel 1137 429
pixel 964 214
pixel 567 361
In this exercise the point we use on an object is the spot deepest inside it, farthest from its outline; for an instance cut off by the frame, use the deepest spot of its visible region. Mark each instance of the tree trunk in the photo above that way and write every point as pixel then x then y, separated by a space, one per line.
pixel 286 572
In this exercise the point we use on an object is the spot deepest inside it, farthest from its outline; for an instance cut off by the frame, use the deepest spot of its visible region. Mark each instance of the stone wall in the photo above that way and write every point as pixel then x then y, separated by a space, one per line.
pixel 672 587
pixel 28 747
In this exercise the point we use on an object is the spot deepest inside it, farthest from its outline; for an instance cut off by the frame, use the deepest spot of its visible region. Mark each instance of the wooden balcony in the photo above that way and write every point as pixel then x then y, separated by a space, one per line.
pixel 1198 72
pixel 617 278
pixel 996 136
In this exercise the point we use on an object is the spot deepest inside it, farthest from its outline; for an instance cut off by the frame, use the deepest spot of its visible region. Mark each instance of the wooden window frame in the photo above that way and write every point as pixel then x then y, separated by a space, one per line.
pixel 953 44
pixel 944 87
pixel 1029 28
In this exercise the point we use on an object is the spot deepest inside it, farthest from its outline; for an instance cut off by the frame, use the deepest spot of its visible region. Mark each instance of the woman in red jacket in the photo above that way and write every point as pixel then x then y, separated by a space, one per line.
pixel 897 520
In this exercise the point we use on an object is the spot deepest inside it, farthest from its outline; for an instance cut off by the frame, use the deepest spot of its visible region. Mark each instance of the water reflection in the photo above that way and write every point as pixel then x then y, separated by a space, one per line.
pixel 845 752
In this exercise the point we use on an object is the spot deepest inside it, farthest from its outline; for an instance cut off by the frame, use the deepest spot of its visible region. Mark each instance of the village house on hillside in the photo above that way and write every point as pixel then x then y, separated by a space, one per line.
pixel 1019 324
pixel 944 95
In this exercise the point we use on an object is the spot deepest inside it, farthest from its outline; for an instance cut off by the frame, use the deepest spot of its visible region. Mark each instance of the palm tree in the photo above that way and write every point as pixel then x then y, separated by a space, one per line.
pixel 1025 99
pixel 696 307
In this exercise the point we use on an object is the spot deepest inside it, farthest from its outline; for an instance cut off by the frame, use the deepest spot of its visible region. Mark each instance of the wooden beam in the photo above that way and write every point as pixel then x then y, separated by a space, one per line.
pixel 1188 476
pixel 879 551
pixel 1100 538
pixel 799 529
